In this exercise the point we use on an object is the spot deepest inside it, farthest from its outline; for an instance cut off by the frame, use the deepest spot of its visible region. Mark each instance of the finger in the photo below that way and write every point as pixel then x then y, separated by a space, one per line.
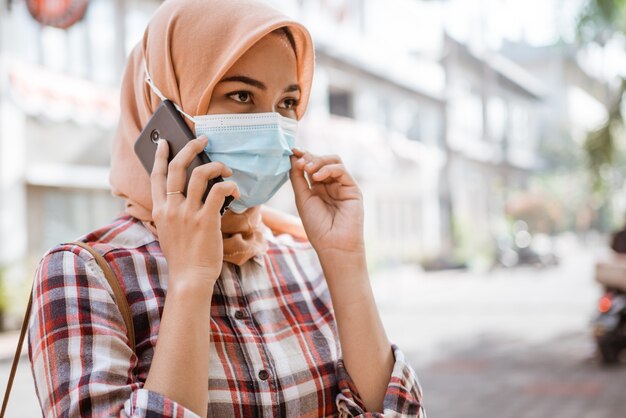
pixel 312 163
pixel 302 157
pixel 297 152
pixel 177 169
pixel 299 183
pixel 218 193
pixel 200 177
pixel 333 172
pixel 158 176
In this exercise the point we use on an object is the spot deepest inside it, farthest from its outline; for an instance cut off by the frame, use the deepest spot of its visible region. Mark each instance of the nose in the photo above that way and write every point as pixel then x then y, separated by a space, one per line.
pixel 267 106
pixel 270 108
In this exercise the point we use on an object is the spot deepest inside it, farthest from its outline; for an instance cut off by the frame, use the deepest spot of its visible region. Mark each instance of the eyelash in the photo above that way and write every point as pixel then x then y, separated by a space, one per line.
pixel 249 94
pixel 237 93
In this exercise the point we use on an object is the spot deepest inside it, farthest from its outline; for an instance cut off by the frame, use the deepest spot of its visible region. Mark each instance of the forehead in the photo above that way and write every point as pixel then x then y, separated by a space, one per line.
pixel 271 53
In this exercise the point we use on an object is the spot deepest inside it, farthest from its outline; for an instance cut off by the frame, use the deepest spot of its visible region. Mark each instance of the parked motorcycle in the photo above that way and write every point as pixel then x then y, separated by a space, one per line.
pixel 521 248
pixel 609 323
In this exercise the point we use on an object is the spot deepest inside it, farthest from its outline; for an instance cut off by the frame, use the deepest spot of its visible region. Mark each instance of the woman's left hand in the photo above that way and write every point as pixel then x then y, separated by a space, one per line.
pixel 331 206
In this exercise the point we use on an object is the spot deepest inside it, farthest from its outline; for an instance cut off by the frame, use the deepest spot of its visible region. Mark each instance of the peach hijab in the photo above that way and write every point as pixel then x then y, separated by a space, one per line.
pixel 188 46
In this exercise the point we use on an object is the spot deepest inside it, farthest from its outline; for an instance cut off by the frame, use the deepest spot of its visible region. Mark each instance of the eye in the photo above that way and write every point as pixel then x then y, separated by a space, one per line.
pixel 289 103
pixel 240 96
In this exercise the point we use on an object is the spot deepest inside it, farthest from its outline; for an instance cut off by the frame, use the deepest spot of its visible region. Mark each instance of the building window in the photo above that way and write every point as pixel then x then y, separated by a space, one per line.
pixel 414 131
pixel 341 103
pixel 497 115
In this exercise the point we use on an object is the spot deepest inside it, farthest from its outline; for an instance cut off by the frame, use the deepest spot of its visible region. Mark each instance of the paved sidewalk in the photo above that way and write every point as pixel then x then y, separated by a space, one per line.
pixel 509 378
pixel 23 402
pixel 8 344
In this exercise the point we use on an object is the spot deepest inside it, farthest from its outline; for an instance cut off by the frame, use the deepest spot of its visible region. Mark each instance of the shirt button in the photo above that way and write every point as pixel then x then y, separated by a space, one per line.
pixel 263 375
pixel 239 315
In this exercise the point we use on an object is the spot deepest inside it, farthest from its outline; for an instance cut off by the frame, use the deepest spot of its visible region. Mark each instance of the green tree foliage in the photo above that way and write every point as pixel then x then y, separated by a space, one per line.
pixel 598 22
pixel 601 144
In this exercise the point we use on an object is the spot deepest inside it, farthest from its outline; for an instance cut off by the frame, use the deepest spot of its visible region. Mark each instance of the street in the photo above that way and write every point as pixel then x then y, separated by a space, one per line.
pixel 509 343
pixel 23 402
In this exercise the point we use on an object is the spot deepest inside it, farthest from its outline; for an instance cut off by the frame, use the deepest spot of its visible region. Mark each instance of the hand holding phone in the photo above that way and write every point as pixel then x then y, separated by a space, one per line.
pixel 166 123
pixel 190 232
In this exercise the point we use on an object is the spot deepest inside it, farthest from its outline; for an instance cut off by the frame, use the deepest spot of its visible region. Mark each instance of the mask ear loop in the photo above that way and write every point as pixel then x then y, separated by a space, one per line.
pixel 156 91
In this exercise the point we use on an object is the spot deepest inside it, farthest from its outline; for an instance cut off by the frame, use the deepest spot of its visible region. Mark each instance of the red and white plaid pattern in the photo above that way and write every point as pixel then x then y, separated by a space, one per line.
pixel 275 349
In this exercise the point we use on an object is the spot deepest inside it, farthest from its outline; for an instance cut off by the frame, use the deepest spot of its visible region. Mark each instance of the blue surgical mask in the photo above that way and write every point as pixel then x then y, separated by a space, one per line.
pixel 255 146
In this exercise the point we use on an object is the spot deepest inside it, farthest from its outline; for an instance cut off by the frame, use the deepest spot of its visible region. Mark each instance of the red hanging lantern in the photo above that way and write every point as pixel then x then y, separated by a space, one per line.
pixel 57 13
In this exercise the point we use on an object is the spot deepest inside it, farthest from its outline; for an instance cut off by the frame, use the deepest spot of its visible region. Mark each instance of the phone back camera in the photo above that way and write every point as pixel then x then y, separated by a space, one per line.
pixel 155 135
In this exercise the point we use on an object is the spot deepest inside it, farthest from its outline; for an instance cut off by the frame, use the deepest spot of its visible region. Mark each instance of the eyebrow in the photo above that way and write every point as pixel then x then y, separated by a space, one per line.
pixel 257 83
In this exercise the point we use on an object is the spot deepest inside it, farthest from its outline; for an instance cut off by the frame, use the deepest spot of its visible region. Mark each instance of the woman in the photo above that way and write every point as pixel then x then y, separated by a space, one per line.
pixel 277 325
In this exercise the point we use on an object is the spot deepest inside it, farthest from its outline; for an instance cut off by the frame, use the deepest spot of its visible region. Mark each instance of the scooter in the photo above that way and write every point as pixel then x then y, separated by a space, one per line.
pixel 519 249
pixel 609 323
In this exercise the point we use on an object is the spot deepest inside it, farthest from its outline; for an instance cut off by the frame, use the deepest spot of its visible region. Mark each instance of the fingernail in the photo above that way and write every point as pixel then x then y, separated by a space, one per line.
pixel 310 164
pixel 301 161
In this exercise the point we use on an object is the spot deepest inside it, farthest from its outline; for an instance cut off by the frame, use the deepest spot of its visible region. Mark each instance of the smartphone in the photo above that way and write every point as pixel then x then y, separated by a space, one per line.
pixel 167 123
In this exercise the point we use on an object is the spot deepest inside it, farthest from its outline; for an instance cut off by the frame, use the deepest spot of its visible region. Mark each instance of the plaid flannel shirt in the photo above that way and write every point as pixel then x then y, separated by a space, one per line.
pixel 274 352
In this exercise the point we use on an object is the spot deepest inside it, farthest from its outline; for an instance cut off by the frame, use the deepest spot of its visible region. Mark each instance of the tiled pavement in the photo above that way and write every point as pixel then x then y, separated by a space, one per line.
pixel 513 379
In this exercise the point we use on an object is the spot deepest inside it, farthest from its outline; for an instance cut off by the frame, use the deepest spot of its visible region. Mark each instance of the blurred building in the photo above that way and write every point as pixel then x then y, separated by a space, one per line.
pixel 59 104
pixel 575 101
pixel 494 109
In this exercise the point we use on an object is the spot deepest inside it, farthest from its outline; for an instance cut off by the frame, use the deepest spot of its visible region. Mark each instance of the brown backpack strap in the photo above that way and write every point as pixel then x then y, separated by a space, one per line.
pixel 120 300
pixel 120 297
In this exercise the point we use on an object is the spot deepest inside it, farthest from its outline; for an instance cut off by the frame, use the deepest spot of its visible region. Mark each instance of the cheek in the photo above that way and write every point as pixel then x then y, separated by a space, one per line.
pixel 288 113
